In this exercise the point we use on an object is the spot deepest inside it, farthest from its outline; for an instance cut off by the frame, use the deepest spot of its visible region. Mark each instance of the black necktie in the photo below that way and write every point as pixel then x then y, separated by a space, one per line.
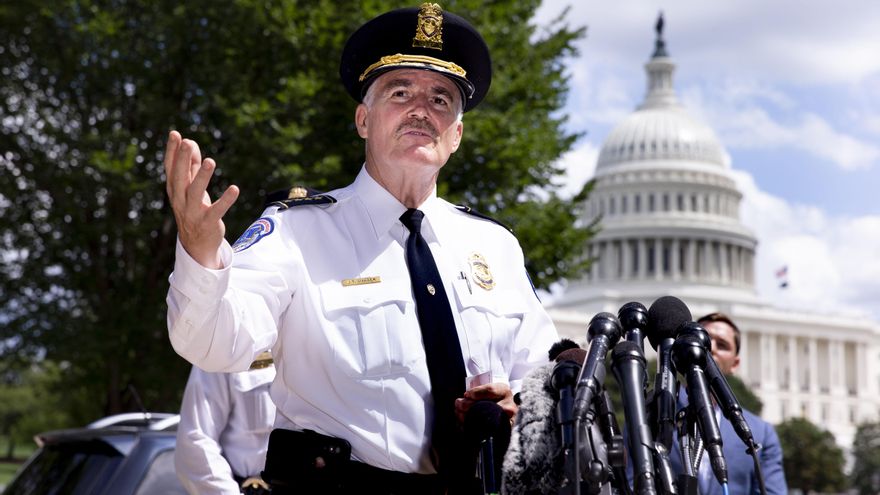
pixel 442 349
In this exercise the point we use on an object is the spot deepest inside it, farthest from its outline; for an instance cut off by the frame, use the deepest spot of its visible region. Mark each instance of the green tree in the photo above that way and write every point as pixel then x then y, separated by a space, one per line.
pixel 865 475
pixel 30 403
pixel 88 92
pixel 747 399
pixel 811 459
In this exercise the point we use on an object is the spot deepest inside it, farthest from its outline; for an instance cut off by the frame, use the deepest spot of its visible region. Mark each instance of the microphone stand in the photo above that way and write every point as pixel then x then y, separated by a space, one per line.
pixel 687 434
pixel 592 437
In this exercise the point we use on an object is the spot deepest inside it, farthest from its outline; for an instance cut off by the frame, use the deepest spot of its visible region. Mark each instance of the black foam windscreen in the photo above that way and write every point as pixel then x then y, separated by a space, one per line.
pixel 485 419
pixel 560 347
pixel 664 317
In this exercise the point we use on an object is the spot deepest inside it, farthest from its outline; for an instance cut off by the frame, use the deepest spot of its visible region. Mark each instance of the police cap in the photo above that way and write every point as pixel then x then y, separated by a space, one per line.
pixel 423 38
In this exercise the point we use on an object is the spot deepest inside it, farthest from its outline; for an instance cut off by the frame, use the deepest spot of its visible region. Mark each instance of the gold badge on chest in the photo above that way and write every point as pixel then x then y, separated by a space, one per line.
pixel 480 271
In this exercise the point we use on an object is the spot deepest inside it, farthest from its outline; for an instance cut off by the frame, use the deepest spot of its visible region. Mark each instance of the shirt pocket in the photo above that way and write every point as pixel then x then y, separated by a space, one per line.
pixel 256 407
pixel 491 320
pixel 372 328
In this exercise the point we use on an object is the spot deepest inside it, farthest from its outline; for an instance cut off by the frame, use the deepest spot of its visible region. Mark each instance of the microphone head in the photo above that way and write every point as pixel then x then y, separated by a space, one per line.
pixel 577 355
pixel 664 317
pixel 627 350
pixel 688 352
pixel 563 345
pixel 697 331
pixel 565 374
pixel 604 325
pixel 633 315
pixel 483 419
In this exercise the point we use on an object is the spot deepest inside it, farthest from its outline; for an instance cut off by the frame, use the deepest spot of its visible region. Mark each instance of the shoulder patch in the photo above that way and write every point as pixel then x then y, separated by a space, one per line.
pixel 318 199
pixel 259 229
pixel 471 211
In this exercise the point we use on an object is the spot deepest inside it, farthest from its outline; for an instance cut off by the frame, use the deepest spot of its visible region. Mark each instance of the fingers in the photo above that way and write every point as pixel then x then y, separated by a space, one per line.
pixel 222 205
pixel 490 391
pixel 170 151
pixel 196 189
pixel 179 179
pixel 195 160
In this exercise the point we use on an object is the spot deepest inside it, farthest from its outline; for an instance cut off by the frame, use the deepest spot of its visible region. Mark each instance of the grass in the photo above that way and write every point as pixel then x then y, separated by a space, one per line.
pixel 8 467
pixel 7 470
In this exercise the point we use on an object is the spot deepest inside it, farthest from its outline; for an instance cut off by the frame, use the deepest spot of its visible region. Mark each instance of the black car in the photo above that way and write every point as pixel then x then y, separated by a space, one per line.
pixel 130 453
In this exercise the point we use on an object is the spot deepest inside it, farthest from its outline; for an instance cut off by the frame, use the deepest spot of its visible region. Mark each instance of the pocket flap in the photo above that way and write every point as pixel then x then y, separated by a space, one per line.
pixel 500 302
pixel 335 296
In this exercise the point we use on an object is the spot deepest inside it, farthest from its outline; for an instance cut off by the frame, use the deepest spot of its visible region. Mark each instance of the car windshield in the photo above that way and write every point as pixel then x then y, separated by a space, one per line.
pixel 71 467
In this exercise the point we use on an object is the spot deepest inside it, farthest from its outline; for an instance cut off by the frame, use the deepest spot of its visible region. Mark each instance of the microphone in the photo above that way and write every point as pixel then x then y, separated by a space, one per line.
pixel 664 318
pixel 602 333
pixel 486 425
pixel 633 318
pixel 724 395
pixel 628 364
pixel 690 357
pixel 533 463
pixel 562 383
pixel 559 347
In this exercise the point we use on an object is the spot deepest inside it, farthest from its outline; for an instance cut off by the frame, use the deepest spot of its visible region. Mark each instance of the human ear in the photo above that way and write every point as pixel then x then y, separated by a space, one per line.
pixel 360 120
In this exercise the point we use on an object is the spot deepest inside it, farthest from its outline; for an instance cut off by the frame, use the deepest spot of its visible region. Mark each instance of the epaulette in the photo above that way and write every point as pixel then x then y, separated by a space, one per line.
pixel 470 211
pixel 297 196
pixel 289 193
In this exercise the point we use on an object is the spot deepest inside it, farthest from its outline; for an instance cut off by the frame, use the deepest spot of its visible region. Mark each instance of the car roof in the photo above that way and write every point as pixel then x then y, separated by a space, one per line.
pixel 120 432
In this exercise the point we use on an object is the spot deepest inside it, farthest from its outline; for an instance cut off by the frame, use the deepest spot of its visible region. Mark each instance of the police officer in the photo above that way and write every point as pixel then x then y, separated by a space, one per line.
pixel 388 310
pixel 225 421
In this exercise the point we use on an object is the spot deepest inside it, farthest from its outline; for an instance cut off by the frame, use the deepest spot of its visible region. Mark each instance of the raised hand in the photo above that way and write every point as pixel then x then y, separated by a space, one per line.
pixel 199 221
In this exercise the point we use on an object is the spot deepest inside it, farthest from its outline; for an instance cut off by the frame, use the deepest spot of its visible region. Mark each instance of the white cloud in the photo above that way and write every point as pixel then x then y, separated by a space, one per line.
pixel 743 121
pixel 787 40
pixel 831 260
pixel 579 165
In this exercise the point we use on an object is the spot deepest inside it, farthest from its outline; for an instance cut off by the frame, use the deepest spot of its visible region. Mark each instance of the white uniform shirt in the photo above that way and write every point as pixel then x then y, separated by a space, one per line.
pixel 349 356
pixel 225 421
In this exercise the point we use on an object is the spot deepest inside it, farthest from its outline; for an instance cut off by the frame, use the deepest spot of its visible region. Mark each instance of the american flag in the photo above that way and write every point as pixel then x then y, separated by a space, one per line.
pixel 782 277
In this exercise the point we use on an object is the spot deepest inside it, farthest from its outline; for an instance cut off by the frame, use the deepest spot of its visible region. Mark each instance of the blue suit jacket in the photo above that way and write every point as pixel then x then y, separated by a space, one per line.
pixel 742 478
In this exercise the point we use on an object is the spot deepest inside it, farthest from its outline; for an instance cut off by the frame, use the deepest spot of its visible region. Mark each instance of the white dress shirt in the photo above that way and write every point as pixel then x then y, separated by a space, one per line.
pixel 326 288
pixel 225 421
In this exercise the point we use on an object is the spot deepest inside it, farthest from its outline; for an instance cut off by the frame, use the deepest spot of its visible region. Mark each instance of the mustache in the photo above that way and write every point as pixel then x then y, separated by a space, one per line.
pixel 418 125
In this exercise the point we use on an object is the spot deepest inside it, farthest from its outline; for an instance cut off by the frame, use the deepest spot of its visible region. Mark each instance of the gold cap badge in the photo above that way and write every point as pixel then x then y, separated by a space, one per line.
pixel 297 192
pixel 429 31
pixel 480 271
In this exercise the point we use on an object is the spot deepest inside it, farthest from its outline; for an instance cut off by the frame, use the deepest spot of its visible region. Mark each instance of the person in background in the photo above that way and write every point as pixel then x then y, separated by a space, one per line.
pixel 742 475
pixel 225 421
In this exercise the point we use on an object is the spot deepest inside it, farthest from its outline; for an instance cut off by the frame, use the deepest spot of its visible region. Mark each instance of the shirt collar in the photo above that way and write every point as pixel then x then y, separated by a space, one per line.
pixel 383 209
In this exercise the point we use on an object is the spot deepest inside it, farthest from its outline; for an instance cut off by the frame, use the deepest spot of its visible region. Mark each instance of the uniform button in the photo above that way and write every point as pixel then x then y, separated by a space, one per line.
pixel 206 279
pixel 368 300
pixel 189 324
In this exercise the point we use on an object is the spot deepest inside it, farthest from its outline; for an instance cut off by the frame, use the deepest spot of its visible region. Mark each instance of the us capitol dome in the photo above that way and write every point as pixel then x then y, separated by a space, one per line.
pixel 668 209
pixel 668 212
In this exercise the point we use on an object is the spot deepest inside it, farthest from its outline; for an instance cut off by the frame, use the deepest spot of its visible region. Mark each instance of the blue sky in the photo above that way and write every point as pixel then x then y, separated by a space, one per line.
pixel 792 89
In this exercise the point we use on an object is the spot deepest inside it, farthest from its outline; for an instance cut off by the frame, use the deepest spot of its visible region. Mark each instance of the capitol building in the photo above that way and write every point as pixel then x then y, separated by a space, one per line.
pixel 669 219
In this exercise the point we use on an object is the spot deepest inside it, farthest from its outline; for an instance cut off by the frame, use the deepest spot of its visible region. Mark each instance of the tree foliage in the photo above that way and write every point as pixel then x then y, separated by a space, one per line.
pixel 812 460
pixel 88 92
pixel 865 475
pixel 30 402
pixel 746 397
